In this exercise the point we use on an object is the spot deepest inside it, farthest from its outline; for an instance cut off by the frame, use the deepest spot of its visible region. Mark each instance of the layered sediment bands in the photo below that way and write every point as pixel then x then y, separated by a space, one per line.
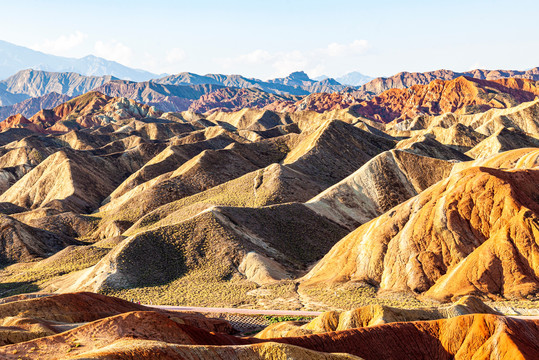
pixel 384 182
pixel 454 238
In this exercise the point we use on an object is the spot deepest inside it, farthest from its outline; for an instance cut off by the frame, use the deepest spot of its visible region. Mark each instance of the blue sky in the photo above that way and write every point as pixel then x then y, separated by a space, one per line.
pixel 265 39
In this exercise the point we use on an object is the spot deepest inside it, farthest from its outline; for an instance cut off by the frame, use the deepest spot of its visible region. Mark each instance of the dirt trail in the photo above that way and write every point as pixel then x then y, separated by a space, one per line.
pixel 237 310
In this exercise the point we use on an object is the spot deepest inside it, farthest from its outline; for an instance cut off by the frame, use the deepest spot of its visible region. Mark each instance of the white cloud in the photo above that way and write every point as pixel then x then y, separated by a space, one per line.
pixel 256 57
pixel 175 55
pixel 316 71
pixel 114 50
pixel 356 47
pixel 62 45
pixel 283 63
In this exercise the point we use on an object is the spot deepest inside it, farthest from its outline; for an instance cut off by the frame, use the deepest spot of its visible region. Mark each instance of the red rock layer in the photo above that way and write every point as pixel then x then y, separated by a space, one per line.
pixel 463 337
pixel 461 95
pixel 406 79
pixel 440 96
pixel 19 121
pixel 90 109
pixel 87 306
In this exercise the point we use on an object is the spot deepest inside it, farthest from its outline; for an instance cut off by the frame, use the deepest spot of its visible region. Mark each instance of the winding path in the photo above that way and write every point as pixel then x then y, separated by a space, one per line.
pixel 237 311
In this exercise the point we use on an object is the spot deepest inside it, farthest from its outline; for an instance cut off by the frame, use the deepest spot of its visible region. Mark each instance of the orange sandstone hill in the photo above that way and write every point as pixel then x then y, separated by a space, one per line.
pixel 473 233
pixel 19 121
pixel 76 308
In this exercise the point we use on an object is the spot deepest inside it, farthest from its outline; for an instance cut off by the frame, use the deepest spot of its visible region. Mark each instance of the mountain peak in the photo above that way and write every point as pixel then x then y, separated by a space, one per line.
pixel 91 57
pixel 299 75
pixel 16 58
pixel 354 78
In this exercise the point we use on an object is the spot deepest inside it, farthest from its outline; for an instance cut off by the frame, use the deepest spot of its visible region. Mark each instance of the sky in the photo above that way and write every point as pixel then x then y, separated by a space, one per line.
pixel 266 39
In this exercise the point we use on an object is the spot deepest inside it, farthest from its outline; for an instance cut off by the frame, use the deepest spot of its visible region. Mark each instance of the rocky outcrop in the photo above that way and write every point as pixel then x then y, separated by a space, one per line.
pixel 19 121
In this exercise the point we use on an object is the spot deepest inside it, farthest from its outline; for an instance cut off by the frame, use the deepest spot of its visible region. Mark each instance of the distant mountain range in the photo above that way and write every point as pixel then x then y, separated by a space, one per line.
pixel 353 78
pixel 14 58
pixel 297 83
pixel 34 83
pixel 170 93
pixel 52 80
pixel 7 98
pixel 33 105
pixel 164 97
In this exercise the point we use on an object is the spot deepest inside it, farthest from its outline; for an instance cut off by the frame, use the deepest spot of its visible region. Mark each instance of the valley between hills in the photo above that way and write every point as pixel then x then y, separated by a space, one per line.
pixel 406 210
